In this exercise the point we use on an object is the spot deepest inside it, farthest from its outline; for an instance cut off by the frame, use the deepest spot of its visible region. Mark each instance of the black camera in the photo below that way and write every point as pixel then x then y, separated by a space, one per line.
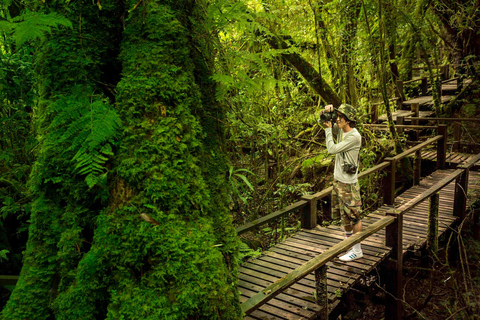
pixel 328 116
pixel 349 168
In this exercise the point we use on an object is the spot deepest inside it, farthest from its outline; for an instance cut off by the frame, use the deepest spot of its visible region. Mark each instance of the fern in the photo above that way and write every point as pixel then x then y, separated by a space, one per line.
pixel 89 129
pixel 33 25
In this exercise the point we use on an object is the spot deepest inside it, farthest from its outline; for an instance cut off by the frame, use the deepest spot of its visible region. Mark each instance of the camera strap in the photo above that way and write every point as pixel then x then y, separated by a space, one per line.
pixel 358 158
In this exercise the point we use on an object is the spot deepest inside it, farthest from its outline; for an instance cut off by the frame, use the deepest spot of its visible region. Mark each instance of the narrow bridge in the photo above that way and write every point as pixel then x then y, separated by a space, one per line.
pixel 301 278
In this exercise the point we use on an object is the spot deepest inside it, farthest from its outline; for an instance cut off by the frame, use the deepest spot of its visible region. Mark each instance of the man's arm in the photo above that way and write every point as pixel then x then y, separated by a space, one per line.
pixel 350 142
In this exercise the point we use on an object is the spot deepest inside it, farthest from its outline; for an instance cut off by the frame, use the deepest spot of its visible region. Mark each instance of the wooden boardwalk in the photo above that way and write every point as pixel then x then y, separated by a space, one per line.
pixel 298 302
pixel 449 88
pixel 452 160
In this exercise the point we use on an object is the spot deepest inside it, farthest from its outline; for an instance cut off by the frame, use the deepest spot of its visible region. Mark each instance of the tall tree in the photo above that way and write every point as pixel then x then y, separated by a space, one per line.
pixel 130 214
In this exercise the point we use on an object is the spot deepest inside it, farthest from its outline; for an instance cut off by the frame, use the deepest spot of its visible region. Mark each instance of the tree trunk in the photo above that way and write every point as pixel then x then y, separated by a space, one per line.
pixel 307 71
pixel 347 51
pixel 142 231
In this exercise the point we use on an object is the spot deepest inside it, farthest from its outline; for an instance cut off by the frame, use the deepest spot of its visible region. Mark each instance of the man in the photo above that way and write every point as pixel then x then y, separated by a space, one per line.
pixel 346 200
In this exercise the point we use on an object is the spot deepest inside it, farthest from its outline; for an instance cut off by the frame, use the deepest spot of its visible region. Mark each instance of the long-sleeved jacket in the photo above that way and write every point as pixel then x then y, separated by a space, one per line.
pixel 349 144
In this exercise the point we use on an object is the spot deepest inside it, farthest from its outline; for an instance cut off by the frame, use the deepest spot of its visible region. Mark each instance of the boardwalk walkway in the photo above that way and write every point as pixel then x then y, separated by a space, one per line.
pixel 449 89
pixel 298 302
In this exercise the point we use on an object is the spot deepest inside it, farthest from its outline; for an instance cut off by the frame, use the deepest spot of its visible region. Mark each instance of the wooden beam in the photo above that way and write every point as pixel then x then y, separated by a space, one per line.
pixel 319 195
pixel 406 126
pixel 417 168
pixel 268 218
pixel 428 193
pixel 418 147
pixel 322 291
pixel 8 280
pixel 442 147
pixel 374 169
pixel 470 163
pixel 394 284
pixel 262 297
pixel 432 228
pixel 389 182
pixel 445 119
pixel 460 196
pixel 309 214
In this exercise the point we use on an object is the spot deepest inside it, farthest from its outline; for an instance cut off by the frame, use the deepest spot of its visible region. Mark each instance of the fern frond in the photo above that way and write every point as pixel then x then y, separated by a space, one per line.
pixel 34 25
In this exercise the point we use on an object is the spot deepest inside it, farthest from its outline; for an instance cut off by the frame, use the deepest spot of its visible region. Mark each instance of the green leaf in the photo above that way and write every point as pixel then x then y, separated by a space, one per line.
pixel 34 25
pixel 241 176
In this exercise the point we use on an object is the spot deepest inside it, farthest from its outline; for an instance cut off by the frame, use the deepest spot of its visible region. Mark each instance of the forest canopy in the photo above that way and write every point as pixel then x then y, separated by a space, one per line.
pixel 135 135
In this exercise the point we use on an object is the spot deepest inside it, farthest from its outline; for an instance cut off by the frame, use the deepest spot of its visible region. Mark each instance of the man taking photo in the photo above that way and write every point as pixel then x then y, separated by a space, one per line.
pixel 346 200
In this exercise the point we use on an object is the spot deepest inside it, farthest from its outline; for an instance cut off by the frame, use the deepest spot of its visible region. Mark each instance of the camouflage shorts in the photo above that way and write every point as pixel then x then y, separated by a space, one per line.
pixel 346 203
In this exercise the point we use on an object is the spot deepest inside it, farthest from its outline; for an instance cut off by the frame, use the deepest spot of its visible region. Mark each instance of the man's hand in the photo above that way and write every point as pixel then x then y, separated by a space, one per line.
pixel 328 108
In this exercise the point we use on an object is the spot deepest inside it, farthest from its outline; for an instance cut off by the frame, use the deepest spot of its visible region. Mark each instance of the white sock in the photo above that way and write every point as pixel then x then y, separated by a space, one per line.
pixel 357 247
pixel 348 234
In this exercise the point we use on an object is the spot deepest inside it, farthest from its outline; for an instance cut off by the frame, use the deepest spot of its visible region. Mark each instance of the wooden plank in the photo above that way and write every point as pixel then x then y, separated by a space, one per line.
pixel 339 272
pixel 294 263
pixel 271 291
pixel 290 301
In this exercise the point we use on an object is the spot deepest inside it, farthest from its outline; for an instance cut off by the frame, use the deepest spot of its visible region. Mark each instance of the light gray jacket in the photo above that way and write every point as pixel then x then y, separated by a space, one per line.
pixel 347 143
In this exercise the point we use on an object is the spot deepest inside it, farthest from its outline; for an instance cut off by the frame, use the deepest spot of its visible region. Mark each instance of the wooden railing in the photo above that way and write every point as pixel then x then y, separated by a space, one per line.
pixel 393 223
pixel 399 98
pixel 308 204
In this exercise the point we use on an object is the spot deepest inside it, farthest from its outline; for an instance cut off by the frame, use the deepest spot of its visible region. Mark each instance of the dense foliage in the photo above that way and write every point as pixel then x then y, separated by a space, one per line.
pixel 127 191
pixel 135 134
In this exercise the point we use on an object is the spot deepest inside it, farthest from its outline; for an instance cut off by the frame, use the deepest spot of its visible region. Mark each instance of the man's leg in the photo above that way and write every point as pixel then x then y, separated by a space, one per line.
pixel 335 202
pixel 351 214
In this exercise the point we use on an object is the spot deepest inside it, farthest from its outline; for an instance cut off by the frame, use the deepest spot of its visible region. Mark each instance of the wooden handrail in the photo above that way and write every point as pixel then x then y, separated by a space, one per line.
pixel 444 119
pixel 326 192
pixel 430 191
pixel 8 280
pixel 262 297
pixel 373 169
pixel 470 162
pixel 417 147
pixel 263 220
pixel 406 126
pixel 314 264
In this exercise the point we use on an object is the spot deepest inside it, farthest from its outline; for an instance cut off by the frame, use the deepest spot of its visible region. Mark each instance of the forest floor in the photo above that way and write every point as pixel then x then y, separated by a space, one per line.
pixel 433 289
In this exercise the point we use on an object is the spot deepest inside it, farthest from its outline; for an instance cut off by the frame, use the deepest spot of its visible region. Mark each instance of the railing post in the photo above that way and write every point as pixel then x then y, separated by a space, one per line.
pixel 459 83
pixel 444 72
pixel 432 229
pixel 389 182
pixel 457 133
pixel 400 94
pixel 400 121
pixel 309 213
pixel 322 291
pixel 394 281
pixel 460 196
pixel 476 225
pixel 424 86
pixel 415 108
pixel 442 147
pixel 418 168
pixel 374 111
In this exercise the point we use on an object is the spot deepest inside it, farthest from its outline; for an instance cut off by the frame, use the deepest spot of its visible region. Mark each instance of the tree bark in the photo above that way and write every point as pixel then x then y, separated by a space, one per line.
pixel 154 239
pixel 307 71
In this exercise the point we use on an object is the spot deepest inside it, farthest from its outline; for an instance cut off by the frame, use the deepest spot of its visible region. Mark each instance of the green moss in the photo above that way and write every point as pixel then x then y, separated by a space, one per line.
pixel 96 256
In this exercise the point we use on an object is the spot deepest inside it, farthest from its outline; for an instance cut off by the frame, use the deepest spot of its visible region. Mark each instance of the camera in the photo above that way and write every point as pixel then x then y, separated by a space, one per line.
pixel 328 116
pixel 349 168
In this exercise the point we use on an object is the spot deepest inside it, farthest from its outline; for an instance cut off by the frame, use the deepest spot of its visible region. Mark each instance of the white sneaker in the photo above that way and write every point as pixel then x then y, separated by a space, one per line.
pixel 351 255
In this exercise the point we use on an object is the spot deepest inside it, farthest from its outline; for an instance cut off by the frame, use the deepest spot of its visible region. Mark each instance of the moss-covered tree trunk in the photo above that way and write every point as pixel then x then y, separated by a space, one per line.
pixel 130 215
